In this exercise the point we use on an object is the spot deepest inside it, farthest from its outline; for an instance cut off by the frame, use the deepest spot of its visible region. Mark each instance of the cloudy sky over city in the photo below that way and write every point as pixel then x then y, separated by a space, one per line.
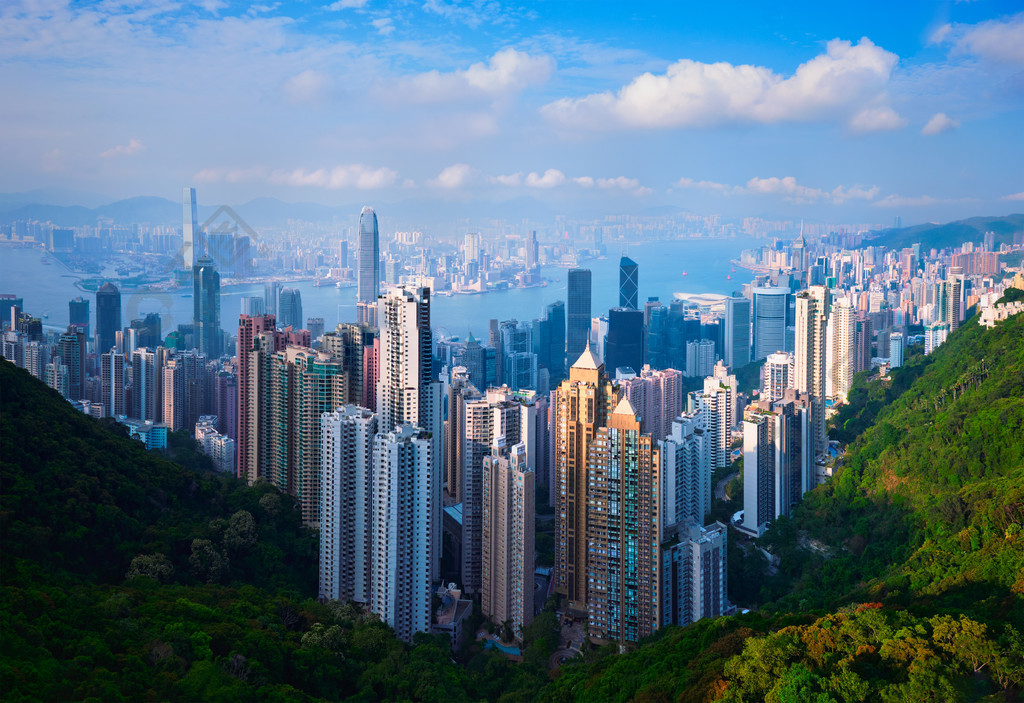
pixel 866 111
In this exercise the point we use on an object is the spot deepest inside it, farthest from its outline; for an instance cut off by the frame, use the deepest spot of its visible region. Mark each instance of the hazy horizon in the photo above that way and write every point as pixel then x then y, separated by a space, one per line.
pixel 832 114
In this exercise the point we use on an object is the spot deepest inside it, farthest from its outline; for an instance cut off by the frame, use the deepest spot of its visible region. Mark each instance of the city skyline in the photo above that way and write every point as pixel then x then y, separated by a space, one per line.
pixel 789 111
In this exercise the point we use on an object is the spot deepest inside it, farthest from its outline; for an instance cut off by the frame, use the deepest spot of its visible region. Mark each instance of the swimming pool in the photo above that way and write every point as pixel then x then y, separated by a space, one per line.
pixel 505 648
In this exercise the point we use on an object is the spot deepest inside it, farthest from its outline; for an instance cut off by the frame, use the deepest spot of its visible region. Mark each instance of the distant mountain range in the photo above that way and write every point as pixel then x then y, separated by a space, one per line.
pixel 61 208
pixel 950 234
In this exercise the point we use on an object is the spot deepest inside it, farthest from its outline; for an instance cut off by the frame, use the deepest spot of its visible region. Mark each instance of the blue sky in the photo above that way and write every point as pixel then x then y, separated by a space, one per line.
pixel 851 113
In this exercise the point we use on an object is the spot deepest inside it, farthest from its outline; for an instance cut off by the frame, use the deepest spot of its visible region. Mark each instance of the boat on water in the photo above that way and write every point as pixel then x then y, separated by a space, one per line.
pixel 685 274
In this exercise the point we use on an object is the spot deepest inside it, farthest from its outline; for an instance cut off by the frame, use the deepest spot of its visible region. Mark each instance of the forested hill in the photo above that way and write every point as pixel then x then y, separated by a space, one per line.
pixel 950 234
pixel 914 590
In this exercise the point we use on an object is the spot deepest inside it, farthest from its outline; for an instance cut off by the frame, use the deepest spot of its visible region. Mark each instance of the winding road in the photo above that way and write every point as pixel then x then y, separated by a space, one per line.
pixel 720 488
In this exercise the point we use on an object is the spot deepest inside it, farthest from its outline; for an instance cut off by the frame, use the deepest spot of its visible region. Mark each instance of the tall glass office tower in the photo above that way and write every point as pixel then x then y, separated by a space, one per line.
pixel 629 283
pixel 206 306
pixel 577 314
pixel 108 316
pixel 770 310
pixel 368 282
pixel 191 244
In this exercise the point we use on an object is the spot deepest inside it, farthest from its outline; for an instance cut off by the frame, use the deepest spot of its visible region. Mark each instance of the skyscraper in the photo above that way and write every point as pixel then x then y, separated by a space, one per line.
pixel 113 383
pixel 148 331
pixel 895 350
pixel 345 513
pixel 408 393
pixel 520 361
pixel 531 251
pixel 623 530
pixel 507 560
pixel 577 313
pixel 71 352
pixel 252 305
pixel 716 404
pixel 147 379
pixel 737 332
pixel 368 275
pixel 770 309
pixel 206 307
pixel 191 235
pixel 289 309
pixel 778 376
pixel 484 420
pixel 108 317
pixel 248 328
pixel 694 575
pixel 271 292
pixel 581 405
pixel 812 307
pixel 405 528
pixel 551 341
pixel 686 469
pixel 624 345
pixel 778 463
pixel 657 396
pixel 841 350
pixel 290 391
pixel 629 283
pixel 78 314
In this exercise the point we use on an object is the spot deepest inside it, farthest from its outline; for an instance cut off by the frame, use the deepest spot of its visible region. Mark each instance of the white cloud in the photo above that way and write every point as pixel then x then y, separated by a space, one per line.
pixel 618 182
pixel 1014 196
pixel 787 187
pixel 337 178
pixel 512 180
pixel 134 146
pixel 508 71
pixel 876 119
pixel 841 194
pixel 693 94
pixel 585 181
pixel 455 176
pixel 907 201
pixel 703 185
pixel 305 87
pixel 938 124
pixel 551 178
pixel 384 25
pixel 1001 41
pixel 232 175
pixel 346 4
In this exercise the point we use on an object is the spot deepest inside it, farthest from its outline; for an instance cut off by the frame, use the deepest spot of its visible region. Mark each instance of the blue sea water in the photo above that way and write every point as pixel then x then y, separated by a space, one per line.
pixel 47 289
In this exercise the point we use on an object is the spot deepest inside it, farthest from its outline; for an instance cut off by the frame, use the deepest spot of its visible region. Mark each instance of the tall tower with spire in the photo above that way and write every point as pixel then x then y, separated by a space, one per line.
pixel 798 251
pixel 368 281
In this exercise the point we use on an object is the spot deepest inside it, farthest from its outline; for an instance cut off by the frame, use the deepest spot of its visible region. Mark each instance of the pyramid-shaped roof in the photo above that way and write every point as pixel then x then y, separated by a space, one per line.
pixel 587 360
pixel 624 408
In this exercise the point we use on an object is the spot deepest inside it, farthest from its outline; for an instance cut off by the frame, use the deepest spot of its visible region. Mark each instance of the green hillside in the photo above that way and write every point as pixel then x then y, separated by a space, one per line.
pixel 950 234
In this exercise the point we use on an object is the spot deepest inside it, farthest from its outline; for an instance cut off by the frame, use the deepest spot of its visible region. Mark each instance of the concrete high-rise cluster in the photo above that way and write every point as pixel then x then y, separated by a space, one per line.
pixel 626 498
pixel 778 463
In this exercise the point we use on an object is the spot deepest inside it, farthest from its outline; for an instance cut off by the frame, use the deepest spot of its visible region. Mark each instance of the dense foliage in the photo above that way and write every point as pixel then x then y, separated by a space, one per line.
pixel 128 577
